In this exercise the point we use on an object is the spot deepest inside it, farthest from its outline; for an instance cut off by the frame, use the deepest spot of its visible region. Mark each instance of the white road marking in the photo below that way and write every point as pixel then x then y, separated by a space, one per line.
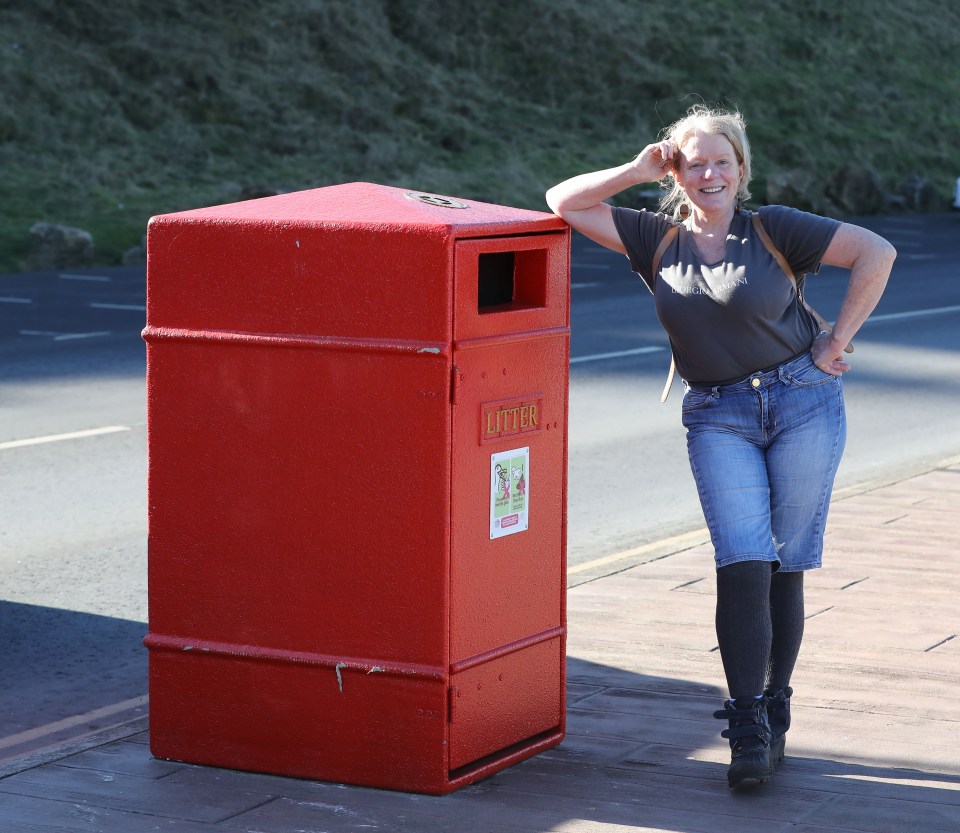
pixel 8 300
pixel 72 435
pixel 583 285
pixel 98 278
pixel 137 307
pixel 71 336
pixel 616 355
pixel 63 336
pixel 917 313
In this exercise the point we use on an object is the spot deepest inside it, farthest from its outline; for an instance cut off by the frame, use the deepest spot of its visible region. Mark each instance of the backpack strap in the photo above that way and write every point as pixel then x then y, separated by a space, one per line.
pixel 670 375
pixel 768 244
pixel 667 239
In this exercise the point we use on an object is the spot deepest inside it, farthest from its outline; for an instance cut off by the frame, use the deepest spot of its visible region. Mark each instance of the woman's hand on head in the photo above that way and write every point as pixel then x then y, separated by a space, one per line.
pixel 655 161
pixel 580 199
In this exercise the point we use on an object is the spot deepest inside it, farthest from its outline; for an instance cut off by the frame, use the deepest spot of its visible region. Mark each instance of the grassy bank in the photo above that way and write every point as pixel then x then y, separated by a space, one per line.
pixel 114 110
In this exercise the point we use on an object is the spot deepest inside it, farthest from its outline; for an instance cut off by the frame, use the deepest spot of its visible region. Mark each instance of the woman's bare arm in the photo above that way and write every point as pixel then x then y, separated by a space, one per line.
pixel 580 200
pixel 869 257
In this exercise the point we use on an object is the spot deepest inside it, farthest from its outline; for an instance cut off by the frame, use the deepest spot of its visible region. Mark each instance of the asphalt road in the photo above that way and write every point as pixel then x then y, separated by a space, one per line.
pixel 73 453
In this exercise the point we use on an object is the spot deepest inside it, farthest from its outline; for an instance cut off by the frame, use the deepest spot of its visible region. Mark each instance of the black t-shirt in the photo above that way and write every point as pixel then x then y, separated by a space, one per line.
pixel 729 319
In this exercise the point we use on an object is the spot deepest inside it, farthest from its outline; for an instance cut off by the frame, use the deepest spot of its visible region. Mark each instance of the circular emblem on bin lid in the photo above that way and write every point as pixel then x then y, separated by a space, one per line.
pixel 435 199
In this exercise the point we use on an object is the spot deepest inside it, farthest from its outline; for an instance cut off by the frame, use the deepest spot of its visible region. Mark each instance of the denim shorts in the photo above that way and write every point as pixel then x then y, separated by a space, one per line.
pixel 764 452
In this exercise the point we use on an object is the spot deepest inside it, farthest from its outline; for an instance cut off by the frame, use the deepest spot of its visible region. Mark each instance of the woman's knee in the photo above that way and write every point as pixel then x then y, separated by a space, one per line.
pixel 753 572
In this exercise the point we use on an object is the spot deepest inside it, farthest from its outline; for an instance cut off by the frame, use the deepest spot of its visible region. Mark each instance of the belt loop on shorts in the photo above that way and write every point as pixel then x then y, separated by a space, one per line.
pixel 713 390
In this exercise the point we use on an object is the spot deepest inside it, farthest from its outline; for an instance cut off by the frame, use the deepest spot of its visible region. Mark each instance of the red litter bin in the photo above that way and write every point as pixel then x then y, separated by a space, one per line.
pixel 357 409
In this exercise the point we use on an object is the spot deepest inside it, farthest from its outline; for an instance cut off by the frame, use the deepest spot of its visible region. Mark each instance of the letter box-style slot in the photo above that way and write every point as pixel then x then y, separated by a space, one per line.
pixel 357 410
pixel 511 280
pixel 510 284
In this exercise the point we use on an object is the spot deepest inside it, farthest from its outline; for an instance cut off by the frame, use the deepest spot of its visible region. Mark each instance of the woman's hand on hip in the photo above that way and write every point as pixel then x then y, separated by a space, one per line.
pixel 827 354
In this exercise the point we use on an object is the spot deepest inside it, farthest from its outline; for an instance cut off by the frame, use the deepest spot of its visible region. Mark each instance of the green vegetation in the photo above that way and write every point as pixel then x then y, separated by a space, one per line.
pixel 114 110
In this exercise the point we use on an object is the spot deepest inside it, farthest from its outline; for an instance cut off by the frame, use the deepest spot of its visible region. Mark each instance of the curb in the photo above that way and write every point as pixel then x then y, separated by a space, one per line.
pixel 82 743
pixel 665 547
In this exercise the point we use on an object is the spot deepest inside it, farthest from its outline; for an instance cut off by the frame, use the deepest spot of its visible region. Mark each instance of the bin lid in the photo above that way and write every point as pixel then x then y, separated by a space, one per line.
pixel 365 204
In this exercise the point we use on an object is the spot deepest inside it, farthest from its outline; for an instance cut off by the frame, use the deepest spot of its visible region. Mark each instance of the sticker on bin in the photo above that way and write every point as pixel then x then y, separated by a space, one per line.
pixel 509 492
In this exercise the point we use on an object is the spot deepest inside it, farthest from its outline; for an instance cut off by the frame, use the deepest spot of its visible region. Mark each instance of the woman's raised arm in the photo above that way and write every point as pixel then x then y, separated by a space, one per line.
pixel 580 200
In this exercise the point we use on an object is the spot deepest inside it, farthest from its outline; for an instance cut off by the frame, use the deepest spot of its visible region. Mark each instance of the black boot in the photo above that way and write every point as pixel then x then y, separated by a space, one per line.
pixel 749 736
pixel 778 713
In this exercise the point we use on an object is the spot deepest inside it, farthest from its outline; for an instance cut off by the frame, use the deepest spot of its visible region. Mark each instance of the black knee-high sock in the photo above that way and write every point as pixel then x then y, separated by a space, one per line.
pixel 744 630
pixel 786 616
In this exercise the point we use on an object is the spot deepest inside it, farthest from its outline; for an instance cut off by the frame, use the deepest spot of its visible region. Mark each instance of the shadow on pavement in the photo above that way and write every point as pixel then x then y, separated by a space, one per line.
pixel 58 664
pixel 642 753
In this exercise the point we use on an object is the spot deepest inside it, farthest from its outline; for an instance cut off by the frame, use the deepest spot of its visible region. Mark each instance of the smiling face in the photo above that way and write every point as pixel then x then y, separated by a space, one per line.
pixel 709 173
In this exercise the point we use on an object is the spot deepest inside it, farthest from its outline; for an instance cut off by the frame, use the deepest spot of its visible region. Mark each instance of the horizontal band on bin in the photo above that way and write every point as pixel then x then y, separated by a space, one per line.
pixel 510 648
pixel 159 642
pixel 511 338
pixel 159 334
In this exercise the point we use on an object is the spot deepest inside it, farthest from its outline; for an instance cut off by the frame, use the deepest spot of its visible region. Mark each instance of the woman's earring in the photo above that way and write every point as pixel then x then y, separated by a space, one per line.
pixel 683 211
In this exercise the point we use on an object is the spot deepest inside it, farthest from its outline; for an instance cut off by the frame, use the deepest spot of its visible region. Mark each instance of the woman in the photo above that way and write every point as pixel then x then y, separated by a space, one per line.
pixel 763 401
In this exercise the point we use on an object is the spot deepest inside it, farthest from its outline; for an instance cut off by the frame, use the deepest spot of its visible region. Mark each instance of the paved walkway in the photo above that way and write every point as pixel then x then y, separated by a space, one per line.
pixel 875 746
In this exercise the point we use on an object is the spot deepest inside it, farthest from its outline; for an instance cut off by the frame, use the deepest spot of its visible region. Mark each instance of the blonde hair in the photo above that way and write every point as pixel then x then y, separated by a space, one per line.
pixel 712 122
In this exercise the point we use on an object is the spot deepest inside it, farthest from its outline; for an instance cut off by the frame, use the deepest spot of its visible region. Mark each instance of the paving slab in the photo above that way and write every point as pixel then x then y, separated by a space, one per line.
pixel 875 745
